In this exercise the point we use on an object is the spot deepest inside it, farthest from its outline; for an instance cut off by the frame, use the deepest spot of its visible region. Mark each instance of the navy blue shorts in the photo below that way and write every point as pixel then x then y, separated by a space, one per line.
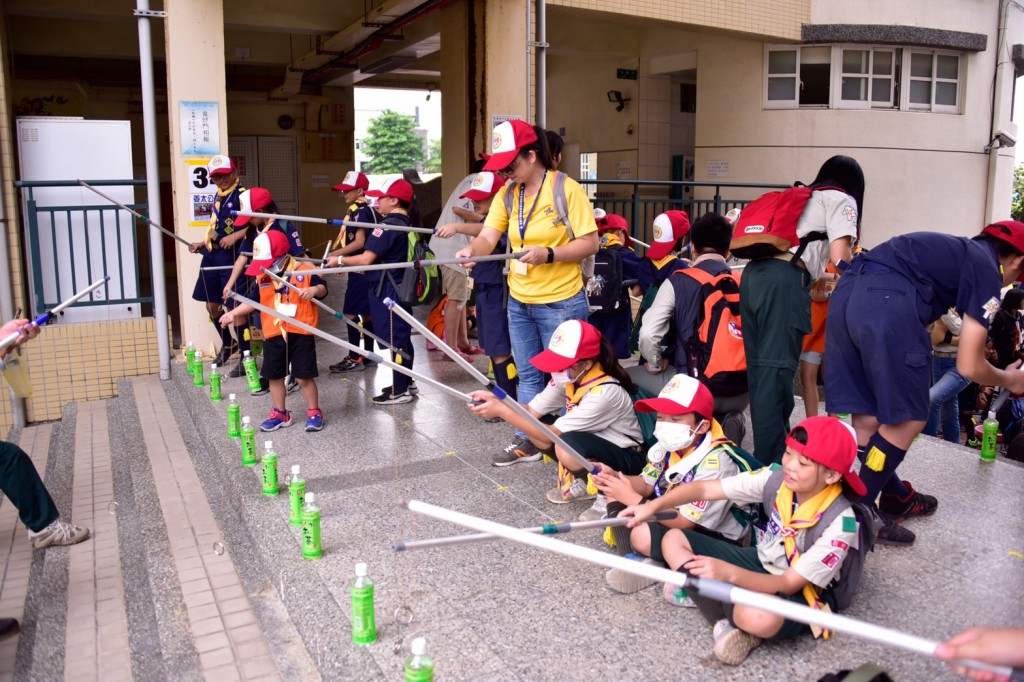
pixel 492 319
pixel 357 295
pixel 211 283
pixel 877 352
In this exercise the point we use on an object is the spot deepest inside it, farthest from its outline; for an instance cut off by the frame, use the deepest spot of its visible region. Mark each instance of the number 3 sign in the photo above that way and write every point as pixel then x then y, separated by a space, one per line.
pixel 201 193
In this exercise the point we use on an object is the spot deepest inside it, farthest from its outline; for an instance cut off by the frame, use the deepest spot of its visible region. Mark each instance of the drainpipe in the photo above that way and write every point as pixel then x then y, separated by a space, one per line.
pixel 529 78
pixel 156 249
pixel 542 63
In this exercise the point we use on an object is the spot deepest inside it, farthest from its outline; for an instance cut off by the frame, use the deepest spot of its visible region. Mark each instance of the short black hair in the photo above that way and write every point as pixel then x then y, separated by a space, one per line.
pixel 711 233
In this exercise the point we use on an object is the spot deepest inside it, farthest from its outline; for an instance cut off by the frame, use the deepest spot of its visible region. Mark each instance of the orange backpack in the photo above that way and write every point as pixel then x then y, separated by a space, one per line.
pixel 715 352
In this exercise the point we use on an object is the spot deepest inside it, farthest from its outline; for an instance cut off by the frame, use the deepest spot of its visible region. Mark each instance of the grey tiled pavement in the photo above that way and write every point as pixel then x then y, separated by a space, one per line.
pixel 150 594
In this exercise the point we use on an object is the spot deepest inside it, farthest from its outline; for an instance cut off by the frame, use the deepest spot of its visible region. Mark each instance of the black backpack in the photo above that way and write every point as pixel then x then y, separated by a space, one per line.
pixel 605 293
pixel 868 525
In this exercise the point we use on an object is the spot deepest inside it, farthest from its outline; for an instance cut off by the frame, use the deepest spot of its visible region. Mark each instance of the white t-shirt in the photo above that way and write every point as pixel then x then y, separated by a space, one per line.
pixel 605 411
pixel 446 248
pixel 833 212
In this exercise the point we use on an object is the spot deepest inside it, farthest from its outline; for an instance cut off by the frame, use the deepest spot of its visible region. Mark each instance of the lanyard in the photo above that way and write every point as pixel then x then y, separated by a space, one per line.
pixel 524 222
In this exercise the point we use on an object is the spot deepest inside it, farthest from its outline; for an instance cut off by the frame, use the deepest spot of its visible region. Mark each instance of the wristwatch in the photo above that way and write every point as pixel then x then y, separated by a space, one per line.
pixel 551 255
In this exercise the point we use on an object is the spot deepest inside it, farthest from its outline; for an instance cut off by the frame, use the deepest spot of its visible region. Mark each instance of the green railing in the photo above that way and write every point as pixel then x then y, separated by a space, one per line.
pixel 77 227
pixel 648 198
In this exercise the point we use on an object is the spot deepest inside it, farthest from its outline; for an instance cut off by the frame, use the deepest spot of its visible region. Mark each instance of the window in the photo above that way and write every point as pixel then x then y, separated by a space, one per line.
pixel 862 77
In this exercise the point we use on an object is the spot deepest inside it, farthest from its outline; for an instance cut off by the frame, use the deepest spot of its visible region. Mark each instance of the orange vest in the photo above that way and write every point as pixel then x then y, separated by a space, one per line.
pixel 306 311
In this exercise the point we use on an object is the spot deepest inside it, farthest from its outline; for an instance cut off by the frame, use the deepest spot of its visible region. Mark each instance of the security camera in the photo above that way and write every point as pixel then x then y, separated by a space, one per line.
pixel 1005 139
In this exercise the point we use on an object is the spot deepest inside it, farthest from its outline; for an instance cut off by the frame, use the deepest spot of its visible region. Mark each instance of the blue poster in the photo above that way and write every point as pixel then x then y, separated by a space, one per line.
pixel 200 128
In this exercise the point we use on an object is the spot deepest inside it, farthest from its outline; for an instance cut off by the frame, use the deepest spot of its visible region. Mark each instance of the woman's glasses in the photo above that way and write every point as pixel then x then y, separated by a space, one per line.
pixel 508 170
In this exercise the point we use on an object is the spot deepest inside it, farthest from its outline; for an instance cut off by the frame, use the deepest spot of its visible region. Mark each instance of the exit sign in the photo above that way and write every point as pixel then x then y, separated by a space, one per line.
pixel 626 74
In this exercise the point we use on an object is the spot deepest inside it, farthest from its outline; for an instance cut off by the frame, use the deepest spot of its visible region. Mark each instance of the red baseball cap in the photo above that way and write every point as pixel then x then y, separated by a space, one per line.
pixel 220 164
pixel 668 228
pixel 681 395
pixel 353 180
pixel 1011 232
pixel 267 247
pixel 572 341
pixel 252 200
pixel 832 444
pixel 612 221
pixel 507 139
pixel 484 185
pixel 398 188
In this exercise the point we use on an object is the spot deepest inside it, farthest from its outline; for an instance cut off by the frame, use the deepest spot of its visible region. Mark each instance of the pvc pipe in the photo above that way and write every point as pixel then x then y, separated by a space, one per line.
pixel 514 404
pixel 547 529
pixel 408 264
pixel 712 589
pixel 138 215
pixel 353 349
pixel 331 221
pixel 643 244
pixel 218 267
pixel 45 317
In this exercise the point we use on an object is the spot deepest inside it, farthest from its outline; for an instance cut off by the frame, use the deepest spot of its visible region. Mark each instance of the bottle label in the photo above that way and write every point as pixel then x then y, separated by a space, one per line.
pixel 215 387
pixel 311 548
pixel 364 625
pixel 425 674
pixel 197 376
pixel 249 446
pixel 234 421
pixel 270 476
pixel 296 500
pixel 252 376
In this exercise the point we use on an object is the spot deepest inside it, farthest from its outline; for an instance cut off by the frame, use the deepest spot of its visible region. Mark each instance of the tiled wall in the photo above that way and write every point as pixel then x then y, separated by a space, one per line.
pixel 781 18
pixel 81 361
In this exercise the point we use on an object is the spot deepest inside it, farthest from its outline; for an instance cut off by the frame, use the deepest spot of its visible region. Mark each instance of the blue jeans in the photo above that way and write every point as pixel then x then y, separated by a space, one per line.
pixel 945 408
pixel 530 326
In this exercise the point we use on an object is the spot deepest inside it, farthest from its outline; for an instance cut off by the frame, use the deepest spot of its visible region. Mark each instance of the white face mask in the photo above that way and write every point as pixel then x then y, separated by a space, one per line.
pixel 561 378
pixel 277 267
pixel 675 437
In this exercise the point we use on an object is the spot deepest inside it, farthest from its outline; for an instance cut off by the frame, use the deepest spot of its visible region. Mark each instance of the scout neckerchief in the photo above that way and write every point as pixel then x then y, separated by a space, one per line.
pixel 687 460
pixel 211 232
pixel 574 394
pixel 662 262
pixel 611 239
pixel 804 516
pixel 282 294
pixel 353 211
pixel 524 219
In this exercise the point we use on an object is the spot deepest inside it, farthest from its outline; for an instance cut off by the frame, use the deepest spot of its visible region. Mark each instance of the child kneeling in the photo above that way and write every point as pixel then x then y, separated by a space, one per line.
pixel 817 471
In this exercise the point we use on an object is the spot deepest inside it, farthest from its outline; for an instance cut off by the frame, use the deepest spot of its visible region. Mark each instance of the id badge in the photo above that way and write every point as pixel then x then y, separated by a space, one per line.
pixel 520 268
pixel 288 309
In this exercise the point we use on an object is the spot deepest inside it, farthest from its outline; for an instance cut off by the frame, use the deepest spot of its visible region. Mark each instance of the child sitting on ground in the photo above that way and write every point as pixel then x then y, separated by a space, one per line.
pixel 284 343
pixel 690 447
pixel 817 471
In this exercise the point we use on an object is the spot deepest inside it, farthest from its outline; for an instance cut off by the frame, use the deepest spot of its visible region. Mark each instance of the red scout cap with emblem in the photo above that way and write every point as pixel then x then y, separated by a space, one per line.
pixel 267 247
pixel 681 395
pixel 572 341
pixel 507 139
pixel 615 222
pixel 397 188
pixel 832 444
pixel 353 180
pixel 251 200
pixel 484 185
pixel 220 164
pixel 668 228
pixel 1011 232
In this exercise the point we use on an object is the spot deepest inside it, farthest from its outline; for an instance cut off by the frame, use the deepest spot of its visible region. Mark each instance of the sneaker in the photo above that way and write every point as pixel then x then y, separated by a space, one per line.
pixel 577 490
pixel 389 398
pixel 915 504
pixel 9 627
pixel 348 365
pixel 734 427
pixel 597 510
pixel 263 389
pixel 733 645
pixel 368 363
pixel 238 371
pixel 57 534
pixel 625 582
pixel 276 420
pixel 314 421
pixel 472 350
pixel 519 450
pixel 894 534
pixel 225 354
pixel 676 596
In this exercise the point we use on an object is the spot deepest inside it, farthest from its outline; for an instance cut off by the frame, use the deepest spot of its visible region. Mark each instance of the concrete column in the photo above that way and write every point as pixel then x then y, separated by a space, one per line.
pixel 194 40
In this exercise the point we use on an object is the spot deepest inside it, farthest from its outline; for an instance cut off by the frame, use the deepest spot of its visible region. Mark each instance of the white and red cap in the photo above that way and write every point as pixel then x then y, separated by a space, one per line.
pixel 485 185
pixel 507 138
pixel 220 164
pixel 353 180
pixel 572 341
pixel 1011 232
pixel 832 444
pixel 252 200
pixel 681 395
pixel 267 247
pixel 398 188
pixel 668 228
pixel 612 221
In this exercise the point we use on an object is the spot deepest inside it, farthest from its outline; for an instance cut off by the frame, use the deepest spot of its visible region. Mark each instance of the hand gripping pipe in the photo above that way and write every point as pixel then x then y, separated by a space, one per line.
pixel 45 317
pixel 411 264
pixel 712 589
pixel 331 221
pixel 504 397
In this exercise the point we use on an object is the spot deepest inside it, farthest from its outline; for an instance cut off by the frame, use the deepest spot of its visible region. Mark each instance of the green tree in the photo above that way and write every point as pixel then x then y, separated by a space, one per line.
pixel 1017 208
pixel 433 162
pixel 392 144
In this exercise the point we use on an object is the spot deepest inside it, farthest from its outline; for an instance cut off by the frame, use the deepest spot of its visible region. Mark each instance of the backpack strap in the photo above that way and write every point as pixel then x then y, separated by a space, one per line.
pixel 561 203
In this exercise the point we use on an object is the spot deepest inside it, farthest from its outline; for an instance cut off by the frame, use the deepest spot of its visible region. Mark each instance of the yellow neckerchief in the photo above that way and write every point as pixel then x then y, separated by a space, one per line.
pixel 611 239
pixel 806 515
pixel 353 208
pixel 717 437
pixel 283 298
pixel 574 394
pixel 662 262
pixel 211 231
pixel 399 210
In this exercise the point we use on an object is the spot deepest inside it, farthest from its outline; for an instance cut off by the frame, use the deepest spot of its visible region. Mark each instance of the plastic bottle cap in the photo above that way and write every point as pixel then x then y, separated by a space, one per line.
pixel 268 444
pixel 245 420
pixel 295 470
pixel 419 646
pixel 309 499
pixel 213 366
pixel 231 396
pixel 246 353
pixel 361 570
pixel 991 415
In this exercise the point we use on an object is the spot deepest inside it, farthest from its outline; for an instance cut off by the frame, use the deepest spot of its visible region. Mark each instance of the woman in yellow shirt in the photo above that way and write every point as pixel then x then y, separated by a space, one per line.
pixel 546 283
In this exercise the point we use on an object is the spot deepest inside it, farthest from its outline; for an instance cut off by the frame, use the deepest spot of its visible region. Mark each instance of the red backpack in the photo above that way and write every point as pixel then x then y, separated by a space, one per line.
pixel 715 352
pixel 767 226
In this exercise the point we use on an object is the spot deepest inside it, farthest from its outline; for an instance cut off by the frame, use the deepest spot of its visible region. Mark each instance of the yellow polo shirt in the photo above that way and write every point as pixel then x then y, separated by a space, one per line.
pixel 549 282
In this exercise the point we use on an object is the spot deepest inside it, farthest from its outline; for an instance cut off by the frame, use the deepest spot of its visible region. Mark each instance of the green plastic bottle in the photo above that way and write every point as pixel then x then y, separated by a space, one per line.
pixel 311 547
pixel 248 442
pixel 190 358
pixel 197 375
pixel 269 471
pixel 419 667
pixel 234 417
pixel 296 497
pixel 989 438
pixel 252 375
pixel 215 383
pixel 364 624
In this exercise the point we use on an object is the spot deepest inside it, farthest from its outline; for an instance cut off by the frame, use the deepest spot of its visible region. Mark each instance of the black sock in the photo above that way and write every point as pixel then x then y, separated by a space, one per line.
pixel 506 378
pixel 225 334
pixel 354 338
pixel 242 332
pixel 367 341
pixel 881 458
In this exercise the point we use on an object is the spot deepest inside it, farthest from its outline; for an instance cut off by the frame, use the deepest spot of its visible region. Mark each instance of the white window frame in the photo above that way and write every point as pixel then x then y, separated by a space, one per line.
pixel 839 102
pixel 906 78
pixel 782 103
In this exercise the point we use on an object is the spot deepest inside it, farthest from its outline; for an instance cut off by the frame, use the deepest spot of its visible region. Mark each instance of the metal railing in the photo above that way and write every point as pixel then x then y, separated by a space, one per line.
pixel 76 228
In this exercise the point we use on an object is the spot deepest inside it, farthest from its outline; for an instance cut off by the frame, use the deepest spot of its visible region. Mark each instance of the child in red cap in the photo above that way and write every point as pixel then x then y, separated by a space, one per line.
pixel 616 324
pixel 817 472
